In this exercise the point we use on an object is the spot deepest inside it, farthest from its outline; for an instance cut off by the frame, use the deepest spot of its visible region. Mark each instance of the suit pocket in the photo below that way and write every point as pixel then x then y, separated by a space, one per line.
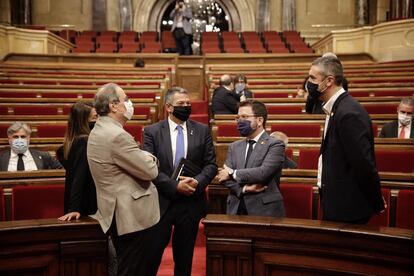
pixel 138 194
pixel 271 198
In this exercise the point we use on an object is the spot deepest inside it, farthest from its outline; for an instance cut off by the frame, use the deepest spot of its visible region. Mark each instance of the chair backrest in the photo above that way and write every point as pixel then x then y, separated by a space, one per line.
pixel 384 218
pixel 405 209
pixel 308 159
pixel 135 130
pixel 2 209
pixel 36 202
pixel 395 160
pixel 297 199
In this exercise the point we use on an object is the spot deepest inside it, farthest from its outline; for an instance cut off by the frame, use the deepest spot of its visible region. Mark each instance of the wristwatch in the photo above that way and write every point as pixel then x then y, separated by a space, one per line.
pixel 231 171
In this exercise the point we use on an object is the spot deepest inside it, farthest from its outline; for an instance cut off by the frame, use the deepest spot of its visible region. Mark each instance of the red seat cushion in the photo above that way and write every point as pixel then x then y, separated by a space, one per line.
pixel 298 130
pixel 36 202
pixel 135 130
pixel 286 109
pixel 395 160
pixel 405 209
pixel 384 218
pixel 308 159
pixel 227 130
pixel 297 199
pixel 44 131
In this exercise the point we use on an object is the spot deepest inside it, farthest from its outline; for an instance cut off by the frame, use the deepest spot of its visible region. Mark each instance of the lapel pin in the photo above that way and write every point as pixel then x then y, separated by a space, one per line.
pixel 332 114
pixel 262 143
pixel 40 157
pixel 191 132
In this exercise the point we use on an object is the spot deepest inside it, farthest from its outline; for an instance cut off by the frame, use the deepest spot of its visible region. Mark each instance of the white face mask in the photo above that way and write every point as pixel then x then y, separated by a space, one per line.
pixel 19 145
pixel 129 112
pixel 404 119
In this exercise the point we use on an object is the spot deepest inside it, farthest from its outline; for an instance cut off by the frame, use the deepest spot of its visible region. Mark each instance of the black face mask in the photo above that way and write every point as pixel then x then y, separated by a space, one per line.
pixel 312 89
pixel 182 113
pixel 91 125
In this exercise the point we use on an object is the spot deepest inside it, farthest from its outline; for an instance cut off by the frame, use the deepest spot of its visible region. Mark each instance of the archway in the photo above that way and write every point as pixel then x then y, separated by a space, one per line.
pixel 148 14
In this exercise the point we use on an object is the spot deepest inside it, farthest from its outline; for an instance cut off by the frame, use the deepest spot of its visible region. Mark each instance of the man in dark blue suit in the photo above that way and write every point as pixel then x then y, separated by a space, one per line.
pixel 182 201
pixel 347 174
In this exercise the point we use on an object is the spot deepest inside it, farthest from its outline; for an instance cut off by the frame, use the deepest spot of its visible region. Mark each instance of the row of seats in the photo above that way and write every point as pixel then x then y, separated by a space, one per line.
pixel 253 42
pixel 35 202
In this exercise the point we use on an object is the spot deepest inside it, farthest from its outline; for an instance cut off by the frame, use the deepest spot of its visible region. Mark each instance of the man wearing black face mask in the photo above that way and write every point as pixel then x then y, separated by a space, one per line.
pixel 347 173
pixel 253 166
pixel 182 202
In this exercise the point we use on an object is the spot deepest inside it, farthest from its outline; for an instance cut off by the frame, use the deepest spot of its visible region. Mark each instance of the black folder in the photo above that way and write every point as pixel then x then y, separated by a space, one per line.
pixel 185 168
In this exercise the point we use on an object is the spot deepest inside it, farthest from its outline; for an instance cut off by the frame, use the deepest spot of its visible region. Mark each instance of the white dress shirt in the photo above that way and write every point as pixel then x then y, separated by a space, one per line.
pixel 327 108
pixel 173 135
pixel 29 164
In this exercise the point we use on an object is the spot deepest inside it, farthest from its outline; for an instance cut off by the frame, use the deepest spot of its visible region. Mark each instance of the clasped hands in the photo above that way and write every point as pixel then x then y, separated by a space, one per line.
pixel 224 175
pixel 187 185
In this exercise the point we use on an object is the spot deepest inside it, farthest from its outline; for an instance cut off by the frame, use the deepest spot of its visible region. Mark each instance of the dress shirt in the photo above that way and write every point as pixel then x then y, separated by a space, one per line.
pixel 327 108
pixel 29 164
pixel 173 135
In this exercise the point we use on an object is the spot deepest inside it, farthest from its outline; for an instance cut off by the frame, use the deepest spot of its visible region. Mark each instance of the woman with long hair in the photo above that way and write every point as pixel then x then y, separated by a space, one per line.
pixel 80 192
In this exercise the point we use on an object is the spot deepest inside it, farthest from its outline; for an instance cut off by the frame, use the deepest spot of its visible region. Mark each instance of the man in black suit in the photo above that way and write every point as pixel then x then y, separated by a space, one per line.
pixel 403 127
pixel 19 157
pixel 347 174
pixel 225 100
pixel 183 201
pixel 240 87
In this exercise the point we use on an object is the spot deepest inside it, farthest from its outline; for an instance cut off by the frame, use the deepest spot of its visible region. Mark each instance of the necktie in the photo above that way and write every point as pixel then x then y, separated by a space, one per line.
pixel 20 163
pixel 402 133
pixel 249 151
pixel 179 146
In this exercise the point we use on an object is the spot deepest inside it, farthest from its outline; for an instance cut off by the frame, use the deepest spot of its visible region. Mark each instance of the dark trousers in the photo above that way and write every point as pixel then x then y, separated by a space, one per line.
pixel 183 240
pixel 132 251
pixel 183 44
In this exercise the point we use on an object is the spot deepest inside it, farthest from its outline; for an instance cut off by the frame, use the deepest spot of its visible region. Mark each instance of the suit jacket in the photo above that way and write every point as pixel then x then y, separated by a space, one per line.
pixel 80 191
pixel 224 101
pixel 200 151
pixel 390 130
pixel 187 15
pixel 247 93
pixel 350 182
pixel 264 166
pixel 43 160
pixel 122 173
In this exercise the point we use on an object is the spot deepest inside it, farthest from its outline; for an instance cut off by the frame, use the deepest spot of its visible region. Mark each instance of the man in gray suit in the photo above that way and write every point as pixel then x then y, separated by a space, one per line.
pixel 19 157
pixel 253 166
pixel 181 27
pixel 127 199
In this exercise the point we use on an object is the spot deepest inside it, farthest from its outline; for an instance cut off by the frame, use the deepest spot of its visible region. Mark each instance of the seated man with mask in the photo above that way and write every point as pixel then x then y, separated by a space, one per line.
pixel 403 127
pixel 19 157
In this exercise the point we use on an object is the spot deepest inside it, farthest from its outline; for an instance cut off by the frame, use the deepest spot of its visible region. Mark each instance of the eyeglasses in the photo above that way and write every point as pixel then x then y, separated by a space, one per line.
pixel 243 117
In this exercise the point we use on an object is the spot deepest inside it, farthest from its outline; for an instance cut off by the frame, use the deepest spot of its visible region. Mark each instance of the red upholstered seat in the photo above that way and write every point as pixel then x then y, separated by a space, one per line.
pixel 381 108
pixel 36 202
pixel 35 110
pixel 202 118
pixel 297 199
pixel 390 160
pixel 2 211
pixel 405 209
pixel 143 110
pixel 270 95
pixel 135 130
pixel 44 131
pixel 384 218
pixel 18 94
pixel 289 153
pixel 227 130
pixel 284 109
pixel 298 130
pixel 199 111
pixel 3 131
pixel 308 159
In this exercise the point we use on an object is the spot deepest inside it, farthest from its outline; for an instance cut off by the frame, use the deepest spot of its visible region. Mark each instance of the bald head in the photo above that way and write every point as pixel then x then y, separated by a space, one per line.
pixel 280 136
pixel 225 80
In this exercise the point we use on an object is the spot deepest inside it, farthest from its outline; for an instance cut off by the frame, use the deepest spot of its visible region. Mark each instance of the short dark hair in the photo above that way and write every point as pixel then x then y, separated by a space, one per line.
pixel 259 109
pixel 171 92
pixel 239 77
pixel 330 66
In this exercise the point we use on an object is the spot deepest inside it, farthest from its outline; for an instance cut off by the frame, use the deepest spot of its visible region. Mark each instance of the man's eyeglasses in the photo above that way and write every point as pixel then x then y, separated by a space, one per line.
pixel 243 117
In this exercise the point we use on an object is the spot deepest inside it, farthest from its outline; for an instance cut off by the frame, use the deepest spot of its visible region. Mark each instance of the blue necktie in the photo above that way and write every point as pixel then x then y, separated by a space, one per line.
pixel 179 146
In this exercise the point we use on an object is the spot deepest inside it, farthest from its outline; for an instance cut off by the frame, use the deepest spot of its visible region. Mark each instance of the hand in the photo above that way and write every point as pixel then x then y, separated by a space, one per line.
pixel 69 216
pixel 184 187
pixel 385 205
pixel 223 174
pixel 191 181
pixel 254 188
